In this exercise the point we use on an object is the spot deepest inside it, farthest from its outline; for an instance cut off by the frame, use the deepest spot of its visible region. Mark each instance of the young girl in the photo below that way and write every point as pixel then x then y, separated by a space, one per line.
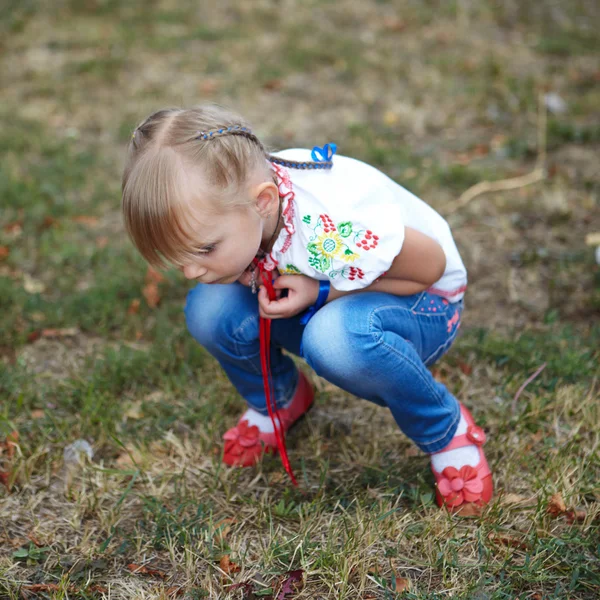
pixel 369 281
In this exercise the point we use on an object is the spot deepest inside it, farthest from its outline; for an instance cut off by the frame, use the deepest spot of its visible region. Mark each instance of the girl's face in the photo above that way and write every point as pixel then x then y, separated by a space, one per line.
pixel 227 244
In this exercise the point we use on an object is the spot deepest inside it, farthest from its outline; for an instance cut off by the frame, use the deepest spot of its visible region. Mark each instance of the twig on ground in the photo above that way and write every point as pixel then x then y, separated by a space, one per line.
pixel 525 384
pixel 538 174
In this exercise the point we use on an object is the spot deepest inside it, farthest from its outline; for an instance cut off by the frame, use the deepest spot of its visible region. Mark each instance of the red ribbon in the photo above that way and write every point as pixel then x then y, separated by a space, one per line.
pixel 265 364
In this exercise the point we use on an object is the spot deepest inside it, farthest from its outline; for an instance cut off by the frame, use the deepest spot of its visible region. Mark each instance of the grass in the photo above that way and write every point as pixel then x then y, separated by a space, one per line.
pixel 438 97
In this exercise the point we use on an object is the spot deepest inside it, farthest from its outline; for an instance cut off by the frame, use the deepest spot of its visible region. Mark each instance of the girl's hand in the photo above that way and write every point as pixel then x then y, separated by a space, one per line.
pixel 302 293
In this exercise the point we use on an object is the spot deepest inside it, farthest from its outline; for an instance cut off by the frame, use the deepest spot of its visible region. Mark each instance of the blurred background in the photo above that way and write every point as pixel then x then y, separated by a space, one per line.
pixel 440 95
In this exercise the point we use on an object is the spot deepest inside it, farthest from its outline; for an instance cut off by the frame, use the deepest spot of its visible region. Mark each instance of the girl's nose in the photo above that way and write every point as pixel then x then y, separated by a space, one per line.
pixel 193 271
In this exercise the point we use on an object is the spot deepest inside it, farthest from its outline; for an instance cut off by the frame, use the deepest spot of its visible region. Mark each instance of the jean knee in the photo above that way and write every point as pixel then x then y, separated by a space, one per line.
pixel 214 313
pixel 333 343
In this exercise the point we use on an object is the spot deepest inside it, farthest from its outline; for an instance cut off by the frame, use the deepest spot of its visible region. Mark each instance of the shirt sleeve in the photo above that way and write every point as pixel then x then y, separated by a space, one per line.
pixel 353 245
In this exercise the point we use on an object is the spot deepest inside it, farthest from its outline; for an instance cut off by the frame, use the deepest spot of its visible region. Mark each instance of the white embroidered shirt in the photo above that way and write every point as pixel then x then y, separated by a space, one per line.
pixel 346 225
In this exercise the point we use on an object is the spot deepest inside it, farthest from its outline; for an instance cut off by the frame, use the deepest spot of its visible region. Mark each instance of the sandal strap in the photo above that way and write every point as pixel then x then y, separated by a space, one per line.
pixel 475 436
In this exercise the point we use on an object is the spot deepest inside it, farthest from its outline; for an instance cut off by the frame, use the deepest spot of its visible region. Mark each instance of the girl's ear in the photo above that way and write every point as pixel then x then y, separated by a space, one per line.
pixel 266 198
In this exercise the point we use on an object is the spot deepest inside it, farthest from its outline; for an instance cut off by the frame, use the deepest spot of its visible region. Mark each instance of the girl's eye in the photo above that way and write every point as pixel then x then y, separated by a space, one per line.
pixel 206 249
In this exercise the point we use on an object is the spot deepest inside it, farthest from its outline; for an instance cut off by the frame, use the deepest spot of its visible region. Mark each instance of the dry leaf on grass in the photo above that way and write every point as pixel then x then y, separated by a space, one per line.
pixel 227 566
pixel 151 294
pixel 576 515
pixel 143 570
pixel 291 585
pixel 35 540
pixel 222 528
pixel 12 440
pixel 87 220
pixel 15 228
pixel 134 307
pixel 556 505
pixel 150 290
pixel 465 368
pixel 154 276
pixel 402 584
pixel 36 588
pixel 507 540
pixel 58 333
pixel 4 252
pixel 469 510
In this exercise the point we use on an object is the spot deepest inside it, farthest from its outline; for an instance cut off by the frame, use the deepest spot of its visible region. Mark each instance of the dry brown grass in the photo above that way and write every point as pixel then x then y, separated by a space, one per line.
pixel 440 96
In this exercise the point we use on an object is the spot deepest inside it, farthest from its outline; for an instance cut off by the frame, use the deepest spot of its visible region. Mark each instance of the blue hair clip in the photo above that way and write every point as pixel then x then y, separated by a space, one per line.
pixel 324 154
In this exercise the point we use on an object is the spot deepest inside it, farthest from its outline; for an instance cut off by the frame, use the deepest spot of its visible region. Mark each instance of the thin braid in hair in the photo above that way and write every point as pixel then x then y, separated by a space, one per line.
pixel 245 132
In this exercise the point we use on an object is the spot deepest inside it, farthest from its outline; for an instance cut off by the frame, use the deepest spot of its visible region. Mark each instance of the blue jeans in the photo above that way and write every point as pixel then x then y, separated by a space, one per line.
pixel 376 346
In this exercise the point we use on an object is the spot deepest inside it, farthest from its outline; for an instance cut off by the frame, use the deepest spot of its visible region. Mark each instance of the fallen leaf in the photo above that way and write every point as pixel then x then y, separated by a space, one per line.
pixel 246 586
pixel 15 228
pixel 41 587
pixel 222 528
pixel 227 566
pixel 273 84
pixel 394 24
pixel 58 333
pixel 469 510
pixel 576 515
pixel 151 294
pixel 154 276
pixel 4 477
pixel 4 252
pixel 143 570
pixel 292 584
pixel 402 584
pixel 209 86
pixel 47 222
pixel 465 368
pixel 85 220
pixel 175 591
pixel 35 540
pixel 134 307
pixel 12 440
pixel 34 336
pixel 31 285
pixel 556 505
pixel 507 540
pixel 98 589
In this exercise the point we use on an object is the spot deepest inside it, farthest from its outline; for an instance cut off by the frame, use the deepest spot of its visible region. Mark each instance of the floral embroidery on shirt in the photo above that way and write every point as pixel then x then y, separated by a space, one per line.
pixel 330 241
pixel 290 269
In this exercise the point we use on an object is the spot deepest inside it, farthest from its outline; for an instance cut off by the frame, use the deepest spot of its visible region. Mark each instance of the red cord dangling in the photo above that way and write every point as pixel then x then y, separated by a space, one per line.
pixel 265 363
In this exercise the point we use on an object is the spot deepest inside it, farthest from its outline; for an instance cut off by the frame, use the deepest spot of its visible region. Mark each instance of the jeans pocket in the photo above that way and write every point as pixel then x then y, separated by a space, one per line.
pixel 431 305
pixel 440 320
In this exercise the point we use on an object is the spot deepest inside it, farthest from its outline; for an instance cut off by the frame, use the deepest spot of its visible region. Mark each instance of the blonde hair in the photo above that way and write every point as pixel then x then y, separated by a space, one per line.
pixel 169 147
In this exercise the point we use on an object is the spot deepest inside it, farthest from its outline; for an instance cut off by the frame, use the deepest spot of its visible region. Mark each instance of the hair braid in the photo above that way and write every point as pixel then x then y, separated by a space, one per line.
pixel 245 132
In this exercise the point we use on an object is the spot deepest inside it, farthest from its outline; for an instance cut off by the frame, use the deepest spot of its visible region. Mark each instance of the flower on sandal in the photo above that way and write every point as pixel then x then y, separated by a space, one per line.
pixel 460 485
pixel 243 435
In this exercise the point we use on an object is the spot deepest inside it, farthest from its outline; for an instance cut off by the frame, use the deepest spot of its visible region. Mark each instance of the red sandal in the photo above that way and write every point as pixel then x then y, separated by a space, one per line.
pixel 245 443
pixel 457 487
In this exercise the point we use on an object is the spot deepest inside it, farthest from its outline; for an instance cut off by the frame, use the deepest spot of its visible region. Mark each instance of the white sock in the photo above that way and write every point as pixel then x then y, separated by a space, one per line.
pixel 467 455
pixel 263 422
